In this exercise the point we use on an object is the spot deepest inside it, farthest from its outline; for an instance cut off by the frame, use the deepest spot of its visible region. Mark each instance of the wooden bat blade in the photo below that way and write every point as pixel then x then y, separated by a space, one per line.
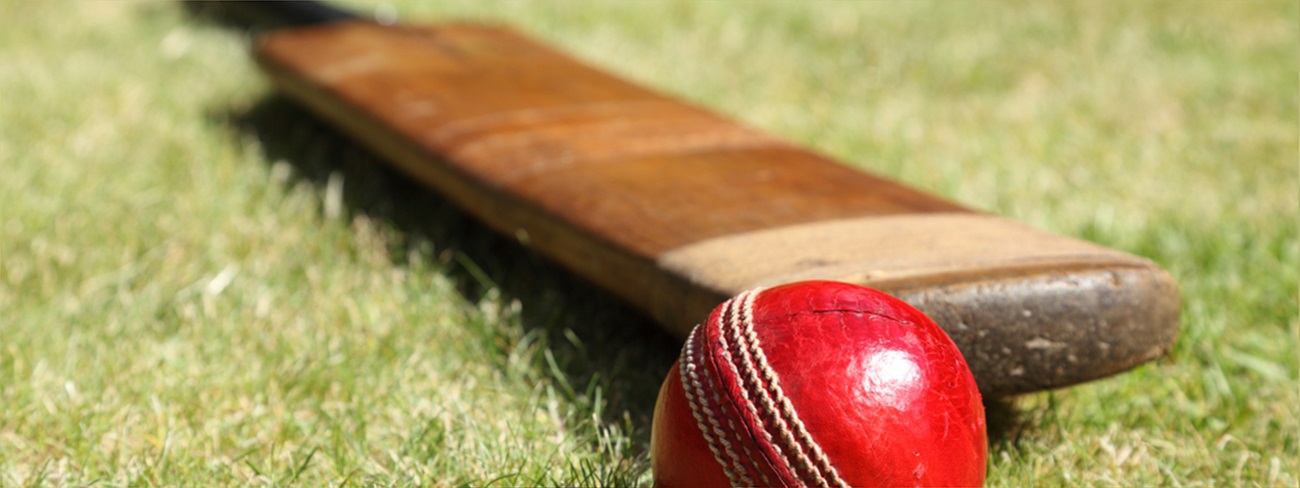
pixel 674 209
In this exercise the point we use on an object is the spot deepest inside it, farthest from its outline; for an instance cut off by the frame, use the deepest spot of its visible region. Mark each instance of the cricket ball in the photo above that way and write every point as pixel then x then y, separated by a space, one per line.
pixel 818 384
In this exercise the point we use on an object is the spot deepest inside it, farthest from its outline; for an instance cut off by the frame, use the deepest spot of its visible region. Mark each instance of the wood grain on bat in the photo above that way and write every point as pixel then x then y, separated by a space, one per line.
pixel 674 208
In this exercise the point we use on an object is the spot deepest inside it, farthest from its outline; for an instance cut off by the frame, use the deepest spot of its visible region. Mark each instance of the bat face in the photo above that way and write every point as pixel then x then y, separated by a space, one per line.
pixel 674 209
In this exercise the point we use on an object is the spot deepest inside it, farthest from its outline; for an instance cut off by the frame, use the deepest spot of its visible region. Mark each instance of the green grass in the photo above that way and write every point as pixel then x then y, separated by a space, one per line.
pixel 201 285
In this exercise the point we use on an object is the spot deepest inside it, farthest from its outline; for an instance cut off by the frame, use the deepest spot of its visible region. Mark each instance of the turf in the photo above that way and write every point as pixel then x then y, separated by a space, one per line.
pixel 201 285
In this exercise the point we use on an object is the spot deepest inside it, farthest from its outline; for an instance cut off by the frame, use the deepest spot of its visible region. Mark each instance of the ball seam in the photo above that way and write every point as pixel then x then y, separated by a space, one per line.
pixel 780 411
pixel 705 417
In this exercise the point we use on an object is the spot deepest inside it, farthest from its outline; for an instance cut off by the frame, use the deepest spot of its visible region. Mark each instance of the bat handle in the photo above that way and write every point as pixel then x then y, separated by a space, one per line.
pixel 274 14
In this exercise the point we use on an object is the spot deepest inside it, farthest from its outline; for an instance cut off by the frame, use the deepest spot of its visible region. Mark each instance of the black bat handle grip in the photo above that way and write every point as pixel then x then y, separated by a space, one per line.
pixel 278 13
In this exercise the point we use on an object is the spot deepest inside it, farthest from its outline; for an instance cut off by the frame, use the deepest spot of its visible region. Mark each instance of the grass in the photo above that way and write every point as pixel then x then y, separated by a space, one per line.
pixel 200 284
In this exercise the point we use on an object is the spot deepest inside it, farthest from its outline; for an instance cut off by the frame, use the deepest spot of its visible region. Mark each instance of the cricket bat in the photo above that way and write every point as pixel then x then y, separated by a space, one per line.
pixel 673 208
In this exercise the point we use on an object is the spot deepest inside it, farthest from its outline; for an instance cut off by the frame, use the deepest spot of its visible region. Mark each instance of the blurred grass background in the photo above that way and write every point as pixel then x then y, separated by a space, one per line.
pixel 199 284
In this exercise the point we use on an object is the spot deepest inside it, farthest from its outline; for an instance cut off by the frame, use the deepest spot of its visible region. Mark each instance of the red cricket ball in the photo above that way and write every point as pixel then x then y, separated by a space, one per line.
pixel 819 383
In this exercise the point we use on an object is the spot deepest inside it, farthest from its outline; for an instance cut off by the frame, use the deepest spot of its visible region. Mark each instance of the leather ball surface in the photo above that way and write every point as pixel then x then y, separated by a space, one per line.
pixel 819 384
